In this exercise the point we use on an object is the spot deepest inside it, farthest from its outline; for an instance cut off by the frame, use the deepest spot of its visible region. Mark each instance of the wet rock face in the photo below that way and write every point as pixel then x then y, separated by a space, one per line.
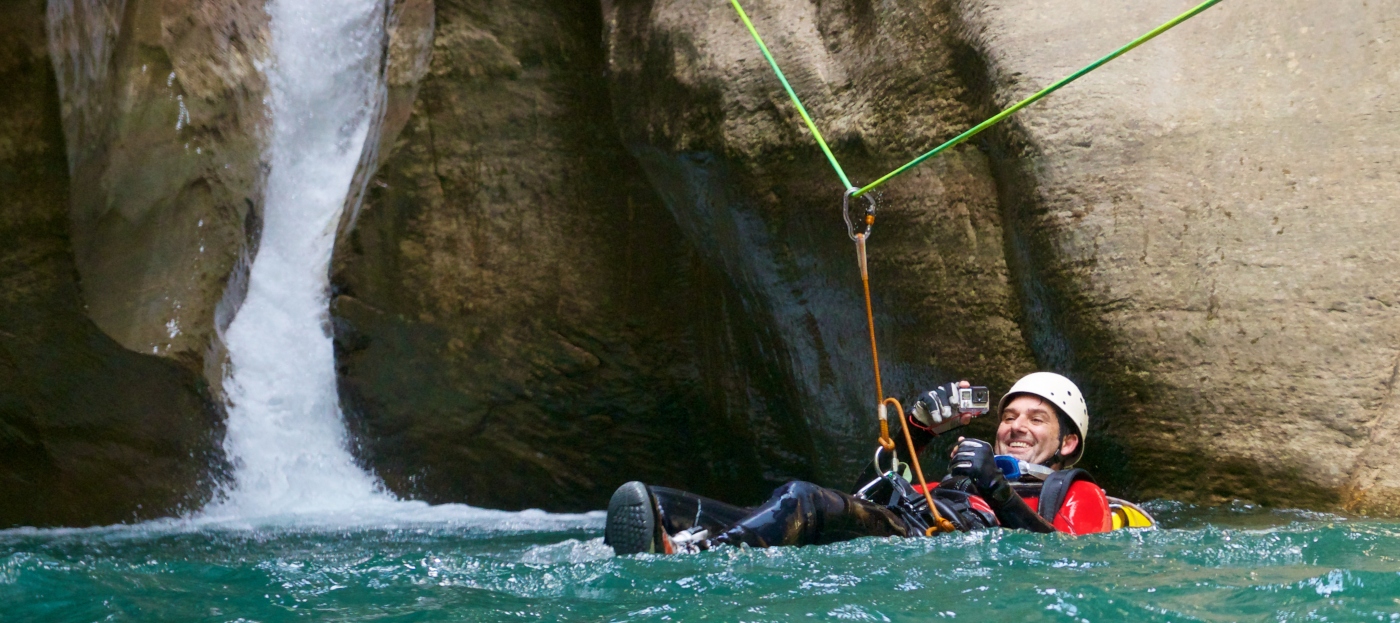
pixel 162 106
pixel 603 247
pixel 1209 223
pixel 519 322
pixel 164 110
pixel 1200 233
pixel 90 433
pixel 699 108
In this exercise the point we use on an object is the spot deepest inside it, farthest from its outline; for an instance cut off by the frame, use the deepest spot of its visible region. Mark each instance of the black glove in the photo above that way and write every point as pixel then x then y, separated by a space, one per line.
pixel 927 409
pixel 975 460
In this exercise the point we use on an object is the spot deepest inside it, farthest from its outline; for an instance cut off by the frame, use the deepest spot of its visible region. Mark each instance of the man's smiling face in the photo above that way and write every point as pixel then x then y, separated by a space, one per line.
pixel 1030 430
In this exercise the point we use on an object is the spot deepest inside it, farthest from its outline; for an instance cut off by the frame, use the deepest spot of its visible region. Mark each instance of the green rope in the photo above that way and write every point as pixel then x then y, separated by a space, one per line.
pixel 797 102
pixel 1042 93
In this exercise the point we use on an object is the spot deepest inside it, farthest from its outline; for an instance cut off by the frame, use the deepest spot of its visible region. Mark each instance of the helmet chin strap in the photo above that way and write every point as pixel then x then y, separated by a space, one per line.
pixel 1058 456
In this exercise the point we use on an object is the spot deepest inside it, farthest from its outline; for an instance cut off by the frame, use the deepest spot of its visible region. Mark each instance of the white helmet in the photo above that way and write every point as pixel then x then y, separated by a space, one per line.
pixel 1060 392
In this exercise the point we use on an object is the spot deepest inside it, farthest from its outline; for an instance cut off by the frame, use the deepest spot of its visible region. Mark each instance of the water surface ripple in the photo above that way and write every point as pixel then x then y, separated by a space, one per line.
pixel 1237 564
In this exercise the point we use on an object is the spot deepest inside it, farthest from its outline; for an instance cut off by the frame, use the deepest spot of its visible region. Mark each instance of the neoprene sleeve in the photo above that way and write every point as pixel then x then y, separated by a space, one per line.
pixel 1011 510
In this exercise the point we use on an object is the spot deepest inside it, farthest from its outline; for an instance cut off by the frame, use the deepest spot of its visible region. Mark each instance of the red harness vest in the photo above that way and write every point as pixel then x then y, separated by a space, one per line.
pixel 1084 510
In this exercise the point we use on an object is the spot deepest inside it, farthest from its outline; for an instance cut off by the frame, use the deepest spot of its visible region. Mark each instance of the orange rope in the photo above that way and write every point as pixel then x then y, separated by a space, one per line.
pixel 940 523
pixel 885 441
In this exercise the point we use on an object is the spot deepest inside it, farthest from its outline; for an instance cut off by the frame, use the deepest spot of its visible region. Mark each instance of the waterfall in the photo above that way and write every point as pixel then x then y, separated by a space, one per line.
pixel 286 436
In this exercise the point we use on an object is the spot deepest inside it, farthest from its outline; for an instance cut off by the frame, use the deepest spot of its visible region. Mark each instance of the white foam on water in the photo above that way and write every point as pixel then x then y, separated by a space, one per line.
pixel 286 436
pixel 390 515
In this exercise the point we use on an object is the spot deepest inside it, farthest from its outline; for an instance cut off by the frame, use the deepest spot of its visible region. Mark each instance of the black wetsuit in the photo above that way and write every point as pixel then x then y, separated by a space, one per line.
pixel 802 513
pixel 798 513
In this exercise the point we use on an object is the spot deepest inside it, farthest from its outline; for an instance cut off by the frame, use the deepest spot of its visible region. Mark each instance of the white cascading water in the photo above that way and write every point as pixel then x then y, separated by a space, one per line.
pixel 286 436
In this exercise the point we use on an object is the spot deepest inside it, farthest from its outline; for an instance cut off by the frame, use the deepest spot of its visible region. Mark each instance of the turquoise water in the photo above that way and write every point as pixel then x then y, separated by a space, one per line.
pixel 1237 563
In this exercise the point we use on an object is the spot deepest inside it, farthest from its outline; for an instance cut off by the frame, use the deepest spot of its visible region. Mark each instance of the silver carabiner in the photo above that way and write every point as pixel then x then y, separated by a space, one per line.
pixel 866 222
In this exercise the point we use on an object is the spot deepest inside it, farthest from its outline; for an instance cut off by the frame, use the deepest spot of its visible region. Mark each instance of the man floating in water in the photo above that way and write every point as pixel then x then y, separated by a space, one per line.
pixel 1025 480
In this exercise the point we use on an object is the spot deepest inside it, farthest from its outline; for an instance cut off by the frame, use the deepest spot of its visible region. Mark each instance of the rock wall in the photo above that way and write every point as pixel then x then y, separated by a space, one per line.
pixel 1209 226
pixel 519 321
pixel 603 247
pixel 1200 233
pixel 164 113
pixel 702 112
pixel 162 105
pixel 90 433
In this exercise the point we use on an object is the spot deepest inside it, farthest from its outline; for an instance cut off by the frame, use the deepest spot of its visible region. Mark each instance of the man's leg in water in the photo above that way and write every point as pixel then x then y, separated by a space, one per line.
pixel 682 510
pixel 801 513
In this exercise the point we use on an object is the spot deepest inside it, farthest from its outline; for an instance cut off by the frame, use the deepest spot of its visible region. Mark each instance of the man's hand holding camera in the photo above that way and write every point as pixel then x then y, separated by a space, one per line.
pixel 947 407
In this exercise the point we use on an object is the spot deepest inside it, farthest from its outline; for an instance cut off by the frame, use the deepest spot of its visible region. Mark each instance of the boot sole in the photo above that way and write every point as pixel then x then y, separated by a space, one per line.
pixel 631 525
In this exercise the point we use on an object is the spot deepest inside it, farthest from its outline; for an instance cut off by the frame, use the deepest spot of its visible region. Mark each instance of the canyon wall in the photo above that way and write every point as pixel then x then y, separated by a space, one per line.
pixel 1200 233
pixel 519 320
pixel 703 114
pixel 601 245
pixel 90 432
pixel 163 111
pixel 1208 224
